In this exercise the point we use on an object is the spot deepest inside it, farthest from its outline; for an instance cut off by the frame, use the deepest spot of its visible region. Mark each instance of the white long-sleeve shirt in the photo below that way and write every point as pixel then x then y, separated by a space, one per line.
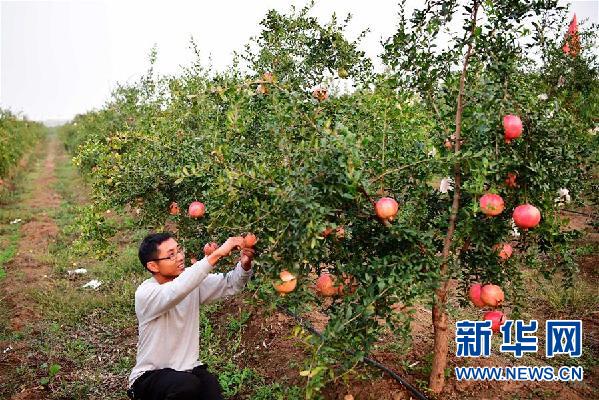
pixel 168 315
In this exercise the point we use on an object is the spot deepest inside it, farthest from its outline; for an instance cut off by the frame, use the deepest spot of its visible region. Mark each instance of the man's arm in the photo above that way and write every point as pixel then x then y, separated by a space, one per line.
pixel 216 286
pixel 154 300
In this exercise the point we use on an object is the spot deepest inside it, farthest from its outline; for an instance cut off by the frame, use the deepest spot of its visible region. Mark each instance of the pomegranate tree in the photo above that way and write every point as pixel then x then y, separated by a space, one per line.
pixel 277 162
pixel 477 101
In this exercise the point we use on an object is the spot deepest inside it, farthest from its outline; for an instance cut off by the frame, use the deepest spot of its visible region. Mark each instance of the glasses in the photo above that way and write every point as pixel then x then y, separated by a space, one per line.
pixel 173 256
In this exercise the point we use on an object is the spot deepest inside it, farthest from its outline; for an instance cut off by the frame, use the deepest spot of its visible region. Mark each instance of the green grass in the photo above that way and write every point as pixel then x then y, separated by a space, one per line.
pixel 579 300
pixel 218 350
pixel 7 254
pixel 12 209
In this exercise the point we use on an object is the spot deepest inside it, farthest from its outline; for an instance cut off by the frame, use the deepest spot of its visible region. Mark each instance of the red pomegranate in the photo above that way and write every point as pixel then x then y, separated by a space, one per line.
pixel 505 250
pixel 325 285
pixel 526 216
pixel 174 209
pixel 320 94
pixel 491 295
pixel 286 284
pixel 209 248
pixel 474 294
pixel 497 319
pixel 250 240
pixel 491 204
pixel 196 209
pixel 510 181
pixel 512 127
pixel 386 208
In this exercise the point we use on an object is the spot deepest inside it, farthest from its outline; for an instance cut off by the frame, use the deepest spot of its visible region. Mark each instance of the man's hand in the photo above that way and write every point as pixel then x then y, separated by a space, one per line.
pixel 247 255
pixel 230 244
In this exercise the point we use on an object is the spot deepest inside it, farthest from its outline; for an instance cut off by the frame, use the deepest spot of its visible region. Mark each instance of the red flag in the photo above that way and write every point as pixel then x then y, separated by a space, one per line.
pixel 572 42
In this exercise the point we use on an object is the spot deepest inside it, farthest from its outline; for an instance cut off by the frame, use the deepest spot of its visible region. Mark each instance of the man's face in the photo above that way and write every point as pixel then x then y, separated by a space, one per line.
pixel 171 261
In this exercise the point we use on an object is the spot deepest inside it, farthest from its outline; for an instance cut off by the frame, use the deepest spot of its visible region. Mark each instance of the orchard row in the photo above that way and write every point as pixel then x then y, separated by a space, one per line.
pixel 376 189
pixel 17 137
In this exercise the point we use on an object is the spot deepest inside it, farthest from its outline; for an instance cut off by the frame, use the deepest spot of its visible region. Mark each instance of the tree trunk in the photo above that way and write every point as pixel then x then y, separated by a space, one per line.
pixel 439 315
pixel 441 348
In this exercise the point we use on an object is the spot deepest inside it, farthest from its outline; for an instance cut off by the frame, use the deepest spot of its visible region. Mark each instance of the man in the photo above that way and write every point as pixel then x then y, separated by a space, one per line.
pixel 167 308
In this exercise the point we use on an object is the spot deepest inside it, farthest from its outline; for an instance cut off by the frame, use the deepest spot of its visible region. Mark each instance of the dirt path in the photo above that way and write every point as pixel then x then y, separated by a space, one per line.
pixel 27 271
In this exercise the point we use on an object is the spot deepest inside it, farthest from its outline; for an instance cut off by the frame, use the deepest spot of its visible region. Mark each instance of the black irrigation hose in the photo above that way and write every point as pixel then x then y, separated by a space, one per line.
pixel 306 325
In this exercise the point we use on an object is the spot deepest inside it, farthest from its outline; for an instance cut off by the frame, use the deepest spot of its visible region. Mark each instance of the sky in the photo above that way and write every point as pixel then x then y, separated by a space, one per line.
pixel 61 58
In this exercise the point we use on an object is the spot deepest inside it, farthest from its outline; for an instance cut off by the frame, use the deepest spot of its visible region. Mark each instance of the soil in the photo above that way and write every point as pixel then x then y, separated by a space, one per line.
pixel 27 272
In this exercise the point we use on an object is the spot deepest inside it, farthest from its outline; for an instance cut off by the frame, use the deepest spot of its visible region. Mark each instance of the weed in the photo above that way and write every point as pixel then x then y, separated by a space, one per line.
pixel 52 371
pixel 580 300
pixel 276 391
pixel 235 325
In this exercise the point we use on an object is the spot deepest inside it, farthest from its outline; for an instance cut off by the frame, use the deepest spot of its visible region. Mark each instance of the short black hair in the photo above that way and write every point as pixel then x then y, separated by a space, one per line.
pixel 148 249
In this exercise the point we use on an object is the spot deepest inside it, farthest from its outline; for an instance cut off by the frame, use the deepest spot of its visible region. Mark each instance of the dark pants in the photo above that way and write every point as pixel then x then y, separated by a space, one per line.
pixel 168 384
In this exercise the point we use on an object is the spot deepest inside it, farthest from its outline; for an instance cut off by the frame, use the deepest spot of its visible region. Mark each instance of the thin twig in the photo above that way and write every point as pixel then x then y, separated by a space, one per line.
pixel 372 180
pixel 436 109
pixel 366 194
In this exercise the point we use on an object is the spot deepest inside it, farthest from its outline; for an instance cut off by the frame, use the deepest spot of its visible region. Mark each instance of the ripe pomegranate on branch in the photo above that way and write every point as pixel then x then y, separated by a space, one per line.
pixel 512 127
pixel 386 209
pixel 325 285
pixel 286 284
pixel 491 204
pixel 196 209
